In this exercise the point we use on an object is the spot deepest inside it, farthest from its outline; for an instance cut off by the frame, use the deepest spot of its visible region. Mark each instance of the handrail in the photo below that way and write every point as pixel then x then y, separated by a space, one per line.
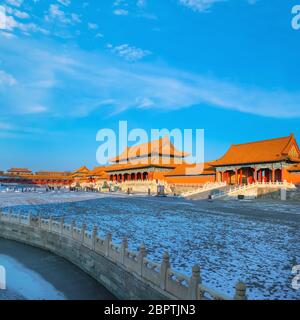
pixel 206 187
pixel 256 184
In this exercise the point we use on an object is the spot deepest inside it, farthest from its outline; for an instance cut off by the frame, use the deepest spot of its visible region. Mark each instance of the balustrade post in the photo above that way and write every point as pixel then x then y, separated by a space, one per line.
pixel 62 222
pixel 141 256
pixel 9 215
pixel 283 194
pixel 83 229
pixel 19 218
pixel 72 228
pixel 194 282
pixel 164 267
pixel 1 214
pixel 240 291
pixel 39 221
pixel 94 237
pixel 29 218
pixel 107 241
pixel 50 223
pixel 124 247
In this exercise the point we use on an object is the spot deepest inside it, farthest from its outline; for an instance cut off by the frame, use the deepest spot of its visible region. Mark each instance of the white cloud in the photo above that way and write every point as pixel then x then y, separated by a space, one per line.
pixel 141 3
pixel 15 3
pixel 75 18
pixel 77 83
pixel 128 52
pixel 21 14
pixel 7 79
pixel 56 14
pixel 93 26
pixel 5 126
pixel 26 28
pixel 121 12
pixel 64 2
pixel 199 5
pixel 35 109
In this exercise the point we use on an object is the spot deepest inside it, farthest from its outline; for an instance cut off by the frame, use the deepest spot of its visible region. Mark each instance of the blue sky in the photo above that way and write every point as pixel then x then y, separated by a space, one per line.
pixel 69 68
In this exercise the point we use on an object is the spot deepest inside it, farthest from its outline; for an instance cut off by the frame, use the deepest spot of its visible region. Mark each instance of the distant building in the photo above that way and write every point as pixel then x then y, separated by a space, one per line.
pixel 18 171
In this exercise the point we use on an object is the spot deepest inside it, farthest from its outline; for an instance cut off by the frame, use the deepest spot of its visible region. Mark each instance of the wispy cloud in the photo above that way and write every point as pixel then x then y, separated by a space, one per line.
pixel 6 79
pixel 17 13
pixel 121 12
pixel 66 3
pixel 93 26
pixel 129 53
pixel 199 5
pixel 78 83
pixel 15 3
pixel 57 14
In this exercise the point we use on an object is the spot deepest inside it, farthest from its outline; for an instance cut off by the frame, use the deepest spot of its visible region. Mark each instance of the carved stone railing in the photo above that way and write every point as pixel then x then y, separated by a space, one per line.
pixel 239 188
pixel 206 187
pixel 159 275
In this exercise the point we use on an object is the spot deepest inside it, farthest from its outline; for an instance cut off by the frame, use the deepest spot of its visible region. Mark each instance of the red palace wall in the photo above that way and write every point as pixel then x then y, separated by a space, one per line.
pixel 293 177
pixel 190 180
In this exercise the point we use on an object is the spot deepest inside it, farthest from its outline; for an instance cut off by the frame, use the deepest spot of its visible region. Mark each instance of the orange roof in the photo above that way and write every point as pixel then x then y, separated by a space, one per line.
pixel 47 177
pixel 162 147
pixel 52 173
pixel 19 170
pixel 191 170
pixel 83 169
pixel 99 172
pixel 272 150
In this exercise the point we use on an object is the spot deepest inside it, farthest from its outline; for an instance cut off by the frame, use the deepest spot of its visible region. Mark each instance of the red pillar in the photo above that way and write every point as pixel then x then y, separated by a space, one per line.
pixel 150 176
pixel 255 175
pixel 260 176
pixel 236 176
pixel 241 176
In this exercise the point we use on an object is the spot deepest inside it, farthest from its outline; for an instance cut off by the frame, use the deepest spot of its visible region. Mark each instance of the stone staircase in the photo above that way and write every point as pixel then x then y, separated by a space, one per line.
pixel 253 190
pixel 205 191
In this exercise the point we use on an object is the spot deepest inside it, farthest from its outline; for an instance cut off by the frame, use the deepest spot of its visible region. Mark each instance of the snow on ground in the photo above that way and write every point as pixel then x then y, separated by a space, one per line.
pixel 253 241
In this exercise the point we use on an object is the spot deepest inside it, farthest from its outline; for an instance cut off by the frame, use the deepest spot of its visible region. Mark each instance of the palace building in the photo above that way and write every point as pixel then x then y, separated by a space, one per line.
pixel 19 171
pixel 147 161
pixel 159 161
pixel 42 178
pixel 263 161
